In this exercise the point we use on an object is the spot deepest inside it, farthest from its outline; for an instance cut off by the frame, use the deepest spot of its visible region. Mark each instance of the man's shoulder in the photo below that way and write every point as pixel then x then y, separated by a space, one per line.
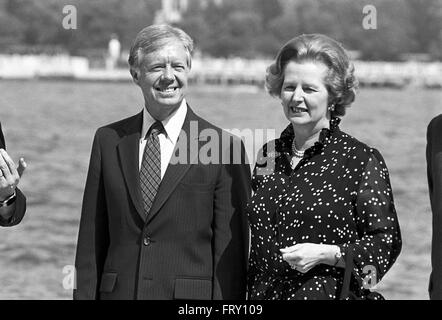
pixel 207 128
pixel 202 122
pixel 132 123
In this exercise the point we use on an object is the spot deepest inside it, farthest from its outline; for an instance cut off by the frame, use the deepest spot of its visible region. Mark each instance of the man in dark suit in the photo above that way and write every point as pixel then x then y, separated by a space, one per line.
pixel 434 171
pixel 12 200
pixel 158 220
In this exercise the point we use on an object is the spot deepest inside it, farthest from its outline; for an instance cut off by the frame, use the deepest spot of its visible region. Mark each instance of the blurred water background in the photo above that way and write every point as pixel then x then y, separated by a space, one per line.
pixel 51 124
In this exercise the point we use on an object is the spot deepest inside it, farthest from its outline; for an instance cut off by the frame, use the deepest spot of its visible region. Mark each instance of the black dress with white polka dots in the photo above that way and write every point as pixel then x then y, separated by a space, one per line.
pixel 340 194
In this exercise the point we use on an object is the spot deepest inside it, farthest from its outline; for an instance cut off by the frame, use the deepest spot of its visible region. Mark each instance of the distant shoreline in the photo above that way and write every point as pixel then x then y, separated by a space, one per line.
pixel 213 86
pixel 215 71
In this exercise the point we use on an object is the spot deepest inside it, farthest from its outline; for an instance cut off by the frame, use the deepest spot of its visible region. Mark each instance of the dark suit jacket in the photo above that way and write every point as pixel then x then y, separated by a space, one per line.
pixel 194 242
pixel 20 202
pixel 434 171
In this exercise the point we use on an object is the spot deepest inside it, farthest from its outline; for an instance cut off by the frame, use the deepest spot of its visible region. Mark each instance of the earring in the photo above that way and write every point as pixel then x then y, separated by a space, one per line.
pixel 331 108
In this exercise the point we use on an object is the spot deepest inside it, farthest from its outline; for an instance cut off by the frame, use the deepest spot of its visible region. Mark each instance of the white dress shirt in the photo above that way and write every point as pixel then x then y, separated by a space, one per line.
pixel 172 125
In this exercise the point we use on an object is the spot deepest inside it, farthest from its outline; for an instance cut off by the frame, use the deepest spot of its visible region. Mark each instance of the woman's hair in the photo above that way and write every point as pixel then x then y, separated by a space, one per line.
pixel 153 38
pixel 340 81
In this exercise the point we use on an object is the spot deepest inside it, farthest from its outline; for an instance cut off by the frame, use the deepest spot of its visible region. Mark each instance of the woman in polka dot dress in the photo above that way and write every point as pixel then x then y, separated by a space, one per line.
pixel 320 195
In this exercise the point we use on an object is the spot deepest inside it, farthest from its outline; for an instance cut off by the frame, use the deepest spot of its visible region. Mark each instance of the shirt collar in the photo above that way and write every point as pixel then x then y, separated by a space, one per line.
pixel 172 124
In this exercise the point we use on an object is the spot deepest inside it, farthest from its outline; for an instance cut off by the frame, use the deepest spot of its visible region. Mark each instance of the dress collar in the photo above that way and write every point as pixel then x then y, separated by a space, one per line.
pixel 288 135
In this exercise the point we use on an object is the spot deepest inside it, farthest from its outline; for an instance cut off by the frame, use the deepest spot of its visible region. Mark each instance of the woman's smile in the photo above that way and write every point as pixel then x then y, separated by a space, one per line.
pixel 297 110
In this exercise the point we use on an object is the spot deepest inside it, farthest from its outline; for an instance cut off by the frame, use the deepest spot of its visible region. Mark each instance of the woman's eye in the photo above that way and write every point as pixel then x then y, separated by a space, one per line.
pixel 289 88
pixel 309 89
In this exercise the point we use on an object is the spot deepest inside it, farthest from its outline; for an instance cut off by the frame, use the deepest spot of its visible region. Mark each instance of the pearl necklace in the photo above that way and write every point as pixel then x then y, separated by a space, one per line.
pixel 295 152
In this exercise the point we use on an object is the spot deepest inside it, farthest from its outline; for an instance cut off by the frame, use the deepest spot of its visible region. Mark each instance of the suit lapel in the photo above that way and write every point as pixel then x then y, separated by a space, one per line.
pixel 128 150
pixel 2 139
pixel 176 172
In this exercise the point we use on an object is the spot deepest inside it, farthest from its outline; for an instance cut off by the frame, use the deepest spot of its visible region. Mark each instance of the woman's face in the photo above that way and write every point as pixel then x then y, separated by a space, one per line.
pixel 304 95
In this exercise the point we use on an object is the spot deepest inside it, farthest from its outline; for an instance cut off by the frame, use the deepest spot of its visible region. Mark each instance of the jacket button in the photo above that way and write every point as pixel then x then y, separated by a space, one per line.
pixel 146 241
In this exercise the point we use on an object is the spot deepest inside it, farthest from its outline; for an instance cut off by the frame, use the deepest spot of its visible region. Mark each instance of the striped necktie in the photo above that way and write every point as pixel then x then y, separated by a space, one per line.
pixel 150 173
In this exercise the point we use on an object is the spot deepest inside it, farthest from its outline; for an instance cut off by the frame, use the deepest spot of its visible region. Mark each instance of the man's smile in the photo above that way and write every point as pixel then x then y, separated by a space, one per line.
pixel 167 89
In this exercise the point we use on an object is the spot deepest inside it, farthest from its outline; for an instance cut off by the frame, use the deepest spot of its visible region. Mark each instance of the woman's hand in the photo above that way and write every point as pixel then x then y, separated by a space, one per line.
pixel 304 256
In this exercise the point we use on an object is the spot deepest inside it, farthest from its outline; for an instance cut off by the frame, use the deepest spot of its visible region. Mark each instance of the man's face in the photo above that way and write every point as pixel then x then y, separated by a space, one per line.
pixel 162 77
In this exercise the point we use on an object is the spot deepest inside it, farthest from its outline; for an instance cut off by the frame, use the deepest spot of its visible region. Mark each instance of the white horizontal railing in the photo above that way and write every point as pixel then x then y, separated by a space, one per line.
pixel 30 66
pixel 215 70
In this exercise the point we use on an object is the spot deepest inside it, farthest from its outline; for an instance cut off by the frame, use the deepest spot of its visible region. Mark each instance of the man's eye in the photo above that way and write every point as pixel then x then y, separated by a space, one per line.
pixel 179 68
pixel 156 68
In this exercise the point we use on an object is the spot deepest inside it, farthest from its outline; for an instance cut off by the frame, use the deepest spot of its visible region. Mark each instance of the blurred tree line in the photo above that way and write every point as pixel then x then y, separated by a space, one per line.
pixel 27 25
pixel 246 28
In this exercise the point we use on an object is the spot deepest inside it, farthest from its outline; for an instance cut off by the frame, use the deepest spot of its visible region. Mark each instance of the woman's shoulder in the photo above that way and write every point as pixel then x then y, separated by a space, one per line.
pixel 359 149
pixel 273 148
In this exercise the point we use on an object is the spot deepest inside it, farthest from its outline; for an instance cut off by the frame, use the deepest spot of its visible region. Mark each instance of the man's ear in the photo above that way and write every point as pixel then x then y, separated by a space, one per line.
pixel 135 73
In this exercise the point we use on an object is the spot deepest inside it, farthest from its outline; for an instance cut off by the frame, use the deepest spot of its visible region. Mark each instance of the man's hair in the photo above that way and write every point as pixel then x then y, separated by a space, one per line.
pixel 153 37
pixel 340 81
